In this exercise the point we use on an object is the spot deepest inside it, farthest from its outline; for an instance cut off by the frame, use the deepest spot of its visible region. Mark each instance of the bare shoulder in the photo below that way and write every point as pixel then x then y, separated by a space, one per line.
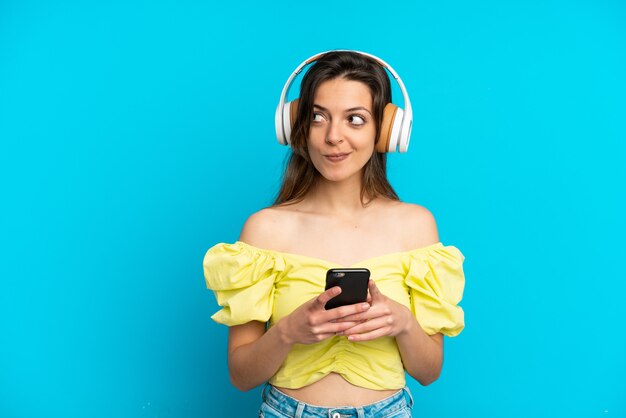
pixel 262 228
pixel 259 227
pixel 418 224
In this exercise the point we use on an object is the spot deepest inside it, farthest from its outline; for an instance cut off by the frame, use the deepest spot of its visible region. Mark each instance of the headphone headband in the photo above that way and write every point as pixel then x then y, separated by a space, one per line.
pixel 401 133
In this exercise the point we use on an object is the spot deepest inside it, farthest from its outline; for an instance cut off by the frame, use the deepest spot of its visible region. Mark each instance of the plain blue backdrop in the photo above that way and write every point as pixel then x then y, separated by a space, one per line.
pixel 136 134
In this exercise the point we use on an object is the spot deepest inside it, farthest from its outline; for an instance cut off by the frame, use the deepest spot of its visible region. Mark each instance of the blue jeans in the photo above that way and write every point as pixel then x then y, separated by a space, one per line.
pixel 278 405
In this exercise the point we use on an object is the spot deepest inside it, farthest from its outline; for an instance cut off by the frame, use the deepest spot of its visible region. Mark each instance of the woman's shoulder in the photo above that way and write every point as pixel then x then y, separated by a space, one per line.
pixel 266 228
pixel 417 223
pixel 406 208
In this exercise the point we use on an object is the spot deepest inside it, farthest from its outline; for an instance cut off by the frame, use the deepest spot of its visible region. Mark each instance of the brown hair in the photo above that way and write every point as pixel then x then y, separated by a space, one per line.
pixel 300 173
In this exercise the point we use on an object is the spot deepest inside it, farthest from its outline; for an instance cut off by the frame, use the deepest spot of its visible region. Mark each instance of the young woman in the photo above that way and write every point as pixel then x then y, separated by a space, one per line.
pixel 336 208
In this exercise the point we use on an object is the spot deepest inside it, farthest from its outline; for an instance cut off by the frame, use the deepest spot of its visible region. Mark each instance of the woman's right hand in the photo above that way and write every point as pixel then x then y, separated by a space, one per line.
pixel 312 323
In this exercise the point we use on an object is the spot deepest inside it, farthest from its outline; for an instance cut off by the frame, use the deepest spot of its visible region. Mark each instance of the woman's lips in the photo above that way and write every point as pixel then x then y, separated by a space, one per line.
pixel 335 158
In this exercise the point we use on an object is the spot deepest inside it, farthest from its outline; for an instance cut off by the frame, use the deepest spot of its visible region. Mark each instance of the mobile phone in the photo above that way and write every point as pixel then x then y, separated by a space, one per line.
pixel 353 283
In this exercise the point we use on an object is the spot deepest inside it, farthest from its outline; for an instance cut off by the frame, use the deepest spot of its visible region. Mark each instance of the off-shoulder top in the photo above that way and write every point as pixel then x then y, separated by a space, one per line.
pixel 255 284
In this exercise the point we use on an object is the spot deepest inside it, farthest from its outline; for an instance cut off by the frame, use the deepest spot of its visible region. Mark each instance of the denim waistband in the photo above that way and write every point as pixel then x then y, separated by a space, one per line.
pixel 297 409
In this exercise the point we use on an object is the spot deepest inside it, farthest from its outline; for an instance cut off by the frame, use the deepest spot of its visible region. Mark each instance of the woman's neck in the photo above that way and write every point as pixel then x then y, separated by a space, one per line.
pixel 337 198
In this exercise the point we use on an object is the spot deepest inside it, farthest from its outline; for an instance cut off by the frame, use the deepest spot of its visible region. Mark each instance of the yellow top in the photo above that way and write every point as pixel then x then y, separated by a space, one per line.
pixel 254 284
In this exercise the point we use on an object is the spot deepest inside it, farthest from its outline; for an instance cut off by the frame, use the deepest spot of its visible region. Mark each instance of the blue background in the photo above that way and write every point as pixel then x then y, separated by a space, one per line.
pixel 135 135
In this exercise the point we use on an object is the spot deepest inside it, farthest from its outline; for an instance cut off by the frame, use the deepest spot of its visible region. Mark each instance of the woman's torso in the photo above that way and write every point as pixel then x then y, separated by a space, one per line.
pixel 387 227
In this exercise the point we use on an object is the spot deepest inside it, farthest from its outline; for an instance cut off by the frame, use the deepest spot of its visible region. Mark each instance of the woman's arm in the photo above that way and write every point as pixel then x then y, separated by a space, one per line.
pixel 253 354
pixel 422 354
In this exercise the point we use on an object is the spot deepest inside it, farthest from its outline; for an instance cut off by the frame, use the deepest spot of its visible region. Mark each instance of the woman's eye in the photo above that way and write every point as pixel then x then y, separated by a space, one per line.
pixel 356 120
pixel 317 117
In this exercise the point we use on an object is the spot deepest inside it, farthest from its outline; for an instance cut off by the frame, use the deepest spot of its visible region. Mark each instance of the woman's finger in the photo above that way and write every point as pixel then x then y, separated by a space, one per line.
pixel 372 335
pixel 373 290
pixel 360 316
pixel 324 297
pixel 369 326
pixel 334 328
pixel 348 313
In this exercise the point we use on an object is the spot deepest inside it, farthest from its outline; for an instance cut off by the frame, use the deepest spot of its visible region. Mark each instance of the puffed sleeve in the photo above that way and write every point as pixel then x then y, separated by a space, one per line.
pixel 242 279
pixel 436 282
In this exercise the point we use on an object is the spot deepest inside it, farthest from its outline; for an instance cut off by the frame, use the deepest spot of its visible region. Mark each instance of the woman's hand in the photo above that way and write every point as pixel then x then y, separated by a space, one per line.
pixel 385 317
pixel 311 322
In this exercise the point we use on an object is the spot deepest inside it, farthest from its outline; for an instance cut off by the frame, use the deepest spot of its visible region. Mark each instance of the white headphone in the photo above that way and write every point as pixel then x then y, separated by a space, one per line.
pixel 395 129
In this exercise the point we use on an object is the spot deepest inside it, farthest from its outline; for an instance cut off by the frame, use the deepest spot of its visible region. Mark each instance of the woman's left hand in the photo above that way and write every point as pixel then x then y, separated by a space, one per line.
pixel 385 317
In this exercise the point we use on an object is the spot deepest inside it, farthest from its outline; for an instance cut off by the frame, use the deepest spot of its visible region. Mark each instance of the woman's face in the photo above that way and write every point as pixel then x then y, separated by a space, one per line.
pixel 342 135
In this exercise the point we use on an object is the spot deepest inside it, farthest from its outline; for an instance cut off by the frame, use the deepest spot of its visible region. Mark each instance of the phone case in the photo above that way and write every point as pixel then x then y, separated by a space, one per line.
pixel 353 283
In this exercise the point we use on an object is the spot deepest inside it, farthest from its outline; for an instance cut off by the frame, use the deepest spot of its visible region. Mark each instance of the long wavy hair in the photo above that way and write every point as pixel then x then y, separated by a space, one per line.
pixel 300 174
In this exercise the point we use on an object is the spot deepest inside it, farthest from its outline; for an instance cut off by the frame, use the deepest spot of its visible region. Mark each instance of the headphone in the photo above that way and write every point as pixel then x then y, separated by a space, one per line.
pixel 395 129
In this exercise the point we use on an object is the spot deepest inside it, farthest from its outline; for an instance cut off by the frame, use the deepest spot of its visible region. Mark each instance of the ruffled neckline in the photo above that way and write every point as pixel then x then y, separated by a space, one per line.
pixel 316 260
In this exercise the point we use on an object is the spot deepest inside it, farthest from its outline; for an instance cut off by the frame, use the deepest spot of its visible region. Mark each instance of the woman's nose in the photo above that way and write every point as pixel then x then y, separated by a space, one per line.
pixel 334 135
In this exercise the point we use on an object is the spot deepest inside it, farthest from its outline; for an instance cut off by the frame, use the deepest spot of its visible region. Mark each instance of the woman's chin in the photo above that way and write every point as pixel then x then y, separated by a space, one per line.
pixel 338 176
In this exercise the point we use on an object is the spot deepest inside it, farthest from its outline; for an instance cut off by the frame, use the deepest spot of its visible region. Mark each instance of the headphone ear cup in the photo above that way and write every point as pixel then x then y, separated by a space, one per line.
pixel 385 142
pixel 279 125
pixel 396 131
pixel 290 110
pixel 293 111
pixel 406 136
